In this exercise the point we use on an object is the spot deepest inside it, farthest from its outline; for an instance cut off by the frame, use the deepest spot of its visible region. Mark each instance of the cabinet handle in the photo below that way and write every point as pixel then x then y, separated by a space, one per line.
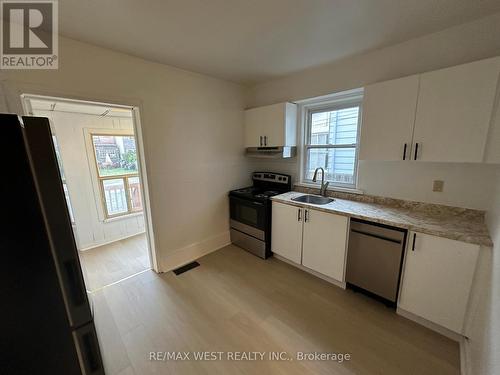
pixel 261 141
pixel 306 216
pixel 416 151
pixel 404 151
pixel 265 140
pixel 414 239
pixel 299 216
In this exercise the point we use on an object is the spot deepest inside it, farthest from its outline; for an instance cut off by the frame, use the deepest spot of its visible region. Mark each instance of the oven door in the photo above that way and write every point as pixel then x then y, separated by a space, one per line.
pixel 248 216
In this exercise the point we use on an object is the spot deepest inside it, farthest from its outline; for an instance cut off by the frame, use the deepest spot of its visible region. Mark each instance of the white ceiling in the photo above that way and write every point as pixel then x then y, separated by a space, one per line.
pixel 250 41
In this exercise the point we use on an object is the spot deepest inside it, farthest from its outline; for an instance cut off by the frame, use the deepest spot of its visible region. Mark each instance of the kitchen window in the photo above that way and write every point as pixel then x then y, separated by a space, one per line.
pixel 331 142
pixel 115 159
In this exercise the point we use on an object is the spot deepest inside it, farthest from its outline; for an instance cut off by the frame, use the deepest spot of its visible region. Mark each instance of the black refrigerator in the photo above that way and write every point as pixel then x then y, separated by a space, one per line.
pixel 47 323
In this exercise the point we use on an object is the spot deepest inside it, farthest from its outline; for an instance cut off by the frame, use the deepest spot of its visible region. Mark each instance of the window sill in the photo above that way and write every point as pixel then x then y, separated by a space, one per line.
pixel 332 188
pixel 121 217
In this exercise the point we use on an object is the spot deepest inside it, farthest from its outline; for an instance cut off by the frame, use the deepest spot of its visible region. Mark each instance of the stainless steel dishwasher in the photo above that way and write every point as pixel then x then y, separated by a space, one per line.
pixel 375 258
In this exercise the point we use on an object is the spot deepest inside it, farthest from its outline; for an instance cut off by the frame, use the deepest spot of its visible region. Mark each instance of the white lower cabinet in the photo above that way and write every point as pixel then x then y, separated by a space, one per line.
pixel 324 243
pixel 315 239
pixel 437 279
pixel 286 236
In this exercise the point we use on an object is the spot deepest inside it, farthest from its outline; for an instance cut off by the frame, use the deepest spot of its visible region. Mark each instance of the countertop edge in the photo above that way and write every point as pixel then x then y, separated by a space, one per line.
pixel 416 228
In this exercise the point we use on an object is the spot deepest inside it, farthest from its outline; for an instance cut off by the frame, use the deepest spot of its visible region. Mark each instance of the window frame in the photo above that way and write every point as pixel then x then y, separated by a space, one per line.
pixel 353 98
pixel 124 177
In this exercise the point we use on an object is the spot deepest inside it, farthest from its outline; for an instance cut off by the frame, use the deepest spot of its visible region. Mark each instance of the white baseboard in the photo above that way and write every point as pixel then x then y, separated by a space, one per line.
pixel 187 254
pixel 93 246
pixel 312 272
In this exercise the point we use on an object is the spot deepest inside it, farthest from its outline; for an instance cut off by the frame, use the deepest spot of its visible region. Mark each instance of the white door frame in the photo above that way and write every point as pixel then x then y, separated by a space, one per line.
pixel 26 95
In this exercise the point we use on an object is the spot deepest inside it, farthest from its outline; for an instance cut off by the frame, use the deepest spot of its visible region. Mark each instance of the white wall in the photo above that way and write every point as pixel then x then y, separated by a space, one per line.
pixel 483 347
pixel 465 185
pixel 413 181
pixel 91 227
pixel 193 137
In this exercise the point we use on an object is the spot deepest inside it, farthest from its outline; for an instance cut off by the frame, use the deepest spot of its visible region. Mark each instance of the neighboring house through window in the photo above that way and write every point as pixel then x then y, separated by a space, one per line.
pixel 331 139
pixel 117 173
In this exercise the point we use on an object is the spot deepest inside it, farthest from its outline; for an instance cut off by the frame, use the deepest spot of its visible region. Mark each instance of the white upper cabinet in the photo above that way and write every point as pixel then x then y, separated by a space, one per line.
pixel 254 128
pixel 388 117
pixel 271 126
pixel 441 116
pixel 437 279
pixel 454 112
pixel 324 243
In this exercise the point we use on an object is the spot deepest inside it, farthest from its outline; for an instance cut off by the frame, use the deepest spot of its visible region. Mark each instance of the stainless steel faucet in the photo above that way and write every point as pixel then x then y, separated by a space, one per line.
pixel 322 190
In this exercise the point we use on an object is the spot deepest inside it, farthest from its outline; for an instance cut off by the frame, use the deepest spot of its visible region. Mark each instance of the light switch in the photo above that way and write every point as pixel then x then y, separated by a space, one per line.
pixel 438 186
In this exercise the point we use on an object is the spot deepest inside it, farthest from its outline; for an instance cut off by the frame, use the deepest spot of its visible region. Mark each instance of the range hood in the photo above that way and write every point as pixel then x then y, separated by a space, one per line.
pixel 281 152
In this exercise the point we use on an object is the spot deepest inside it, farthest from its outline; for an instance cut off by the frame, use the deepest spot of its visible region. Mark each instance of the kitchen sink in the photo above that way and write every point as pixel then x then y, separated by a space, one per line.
pixel 313 199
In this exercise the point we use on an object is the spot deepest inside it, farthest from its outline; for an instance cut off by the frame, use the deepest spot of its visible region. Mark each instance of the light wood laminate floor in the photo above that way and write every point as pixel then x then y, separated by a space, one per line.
pixel 237 302
pixel 113 262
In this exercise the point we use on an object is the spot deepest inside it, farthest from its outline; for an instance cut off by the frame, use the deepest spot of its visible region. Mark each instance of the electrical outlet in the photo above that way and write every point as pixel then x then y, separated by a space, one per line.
pixel 438 186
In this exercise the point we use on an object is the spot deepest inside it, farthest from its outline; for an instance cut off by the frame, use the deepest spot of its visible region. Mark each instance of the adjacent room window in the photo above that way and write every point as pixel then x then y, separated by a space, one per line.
pixel 331 142
pixel 118 174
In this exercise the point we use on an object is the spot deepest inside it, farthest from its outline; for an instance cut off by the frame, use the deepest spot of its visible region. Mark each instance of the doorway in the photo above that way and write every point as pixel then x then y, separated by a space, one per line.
pixel 99 153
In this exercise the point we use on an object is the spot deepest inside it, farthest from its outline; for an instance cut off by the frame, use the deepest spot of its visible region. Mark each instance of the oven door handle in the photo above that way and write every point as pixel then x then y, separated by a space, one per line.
pixel 258 203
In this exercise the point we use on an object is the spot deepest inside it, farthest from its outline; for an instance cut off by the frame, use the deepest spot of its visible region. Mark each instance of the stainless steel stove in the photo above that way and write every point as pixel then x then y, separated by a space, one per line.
pixel 250 212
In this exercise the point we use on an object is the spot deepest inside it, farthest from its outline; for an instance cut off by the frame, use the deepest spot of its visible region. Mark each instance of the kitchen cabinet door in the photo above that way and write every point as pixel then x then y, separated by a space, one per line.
pixel 281 129
pixel 437 279
pixel 388 119
pixel 454 112
pixel 286 236
pixel 276 124
pixel 324 243
pixel 254 127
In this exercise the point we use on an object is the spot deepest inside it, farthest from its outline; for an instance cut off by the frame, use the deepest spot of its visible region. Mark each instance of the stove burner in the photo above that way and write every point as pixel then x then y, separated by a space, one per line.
pixel 246 190
pixel 267 194
pixel 270 193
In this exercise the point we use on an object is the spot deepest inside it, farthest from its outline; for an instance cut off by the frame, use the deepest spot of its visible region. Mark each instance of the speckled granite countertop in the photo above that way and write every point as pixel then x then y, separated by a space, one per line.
pixel 449 222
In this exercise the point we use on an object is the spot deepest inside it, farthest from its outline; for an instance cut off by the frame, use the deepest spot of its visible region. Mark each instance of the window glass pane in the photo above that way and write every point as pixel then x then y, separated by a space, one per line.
pixel 135 193
pixel 337 127
pixel 115 154
pixel 115 197
pixel 338 164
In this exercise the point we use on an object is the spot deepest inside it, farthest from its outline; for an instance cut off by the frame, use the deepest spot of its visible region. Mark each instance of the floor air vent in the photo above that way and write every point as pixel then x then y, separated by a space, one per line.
pixel 186 268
